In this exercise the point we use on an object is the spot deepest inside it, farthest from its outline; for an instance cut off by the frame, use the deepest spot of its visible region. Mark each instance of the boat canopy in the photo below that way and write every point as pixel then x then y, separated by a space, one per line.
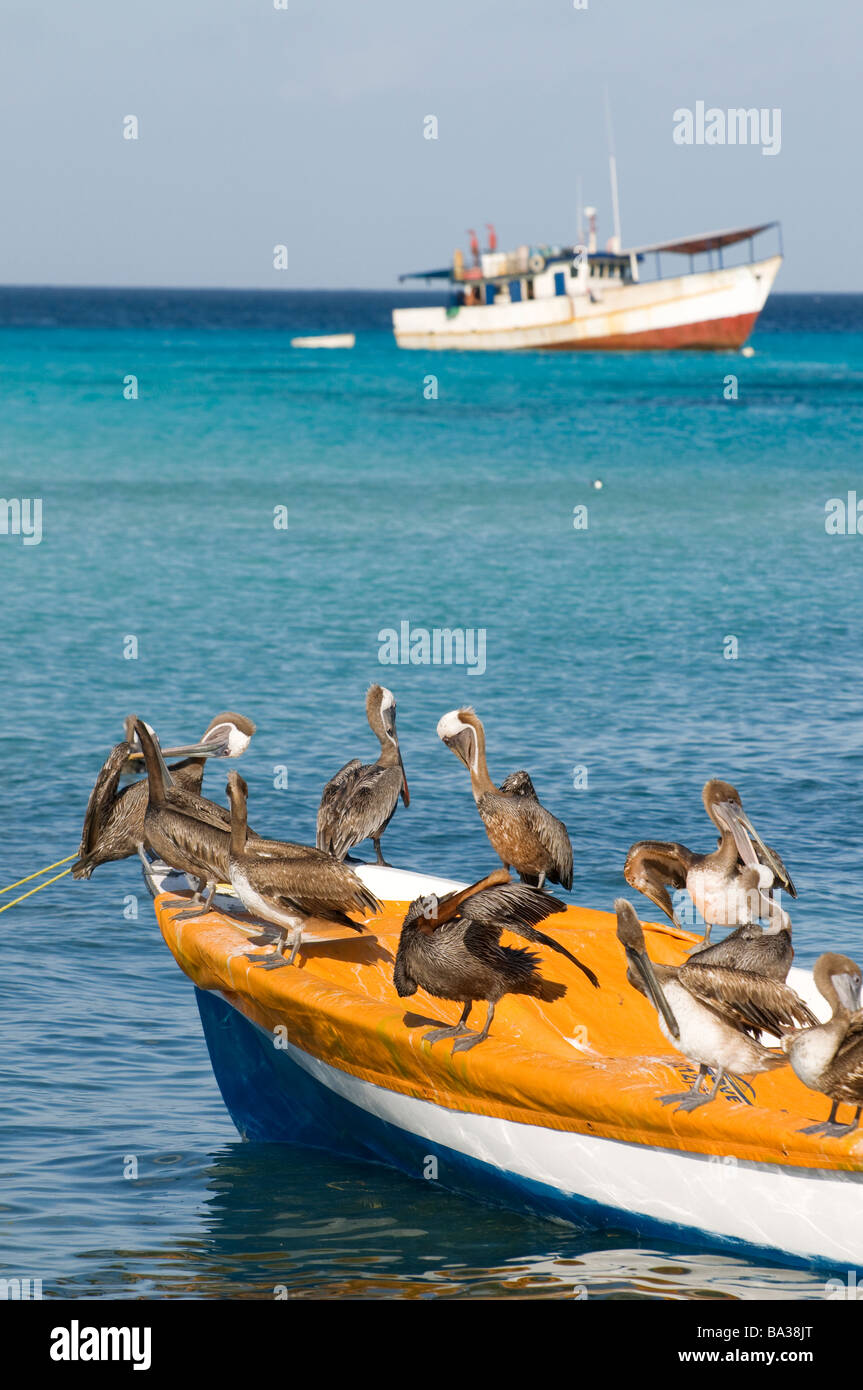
pixel 711 241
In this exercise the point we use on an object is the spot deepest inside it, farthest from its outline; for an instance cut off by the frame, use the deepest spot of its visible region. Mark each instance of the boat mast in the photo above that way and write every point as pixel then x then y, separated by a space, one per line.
pixel 612 164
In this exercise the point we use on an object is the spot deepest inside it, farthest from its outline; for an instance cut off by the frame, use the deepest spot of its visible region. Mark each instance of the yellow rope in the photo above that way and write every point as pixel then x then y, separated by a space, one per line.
pixel 47 869
pixel 37 889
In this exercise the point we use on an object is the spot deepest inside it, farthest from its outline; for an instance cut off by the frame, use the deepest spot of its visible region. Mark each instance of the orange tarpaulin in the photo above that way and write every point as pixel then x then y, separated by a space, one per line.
pixel 593 1062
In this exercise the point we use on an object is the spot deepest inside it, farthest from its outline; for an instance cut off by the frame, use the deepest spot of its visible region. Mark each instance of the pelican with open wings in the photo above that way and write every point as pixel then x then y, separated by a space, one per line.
pixel 716 882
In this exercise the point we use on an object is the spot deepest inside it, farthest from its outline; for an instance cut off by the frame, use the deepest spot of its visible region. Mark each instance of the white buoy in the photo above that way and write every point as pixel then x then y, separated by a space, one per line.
pixel 597 483
pixel 748 351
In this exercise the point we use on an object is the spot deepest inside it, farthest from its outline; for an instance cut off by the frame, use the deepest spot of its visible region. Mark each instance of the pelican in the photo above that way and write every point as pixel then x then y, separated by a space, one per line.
pixel 114 821
pixel 358 803
pixel 710 1013
pixel 290 890
pixel 829 1057
pixel 451 947
pixel 713 881
pixel 525 835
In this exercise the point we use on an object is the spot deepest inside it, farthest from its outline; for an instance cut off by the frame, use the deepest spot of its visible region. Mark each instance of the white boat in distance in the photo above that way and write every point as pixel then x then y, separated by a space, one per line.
pixel 571 297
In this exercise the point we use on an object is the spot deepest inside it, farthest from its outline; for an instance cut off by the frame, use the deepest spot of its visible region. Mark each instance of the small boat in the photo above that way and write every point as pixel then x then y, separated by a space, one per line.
pixel 326 340
pixel 555 1114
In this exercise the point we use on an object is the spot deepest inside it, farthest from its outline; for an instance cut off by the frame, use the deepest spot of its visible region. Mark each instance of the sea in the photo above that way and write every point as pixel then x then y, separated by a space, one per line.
pixel 657 556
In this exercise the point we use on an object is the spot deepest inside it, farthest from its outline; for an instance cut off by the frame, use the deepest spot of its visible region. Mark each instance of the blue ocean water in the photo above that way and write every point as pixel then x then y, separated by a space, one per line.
pixel 607 652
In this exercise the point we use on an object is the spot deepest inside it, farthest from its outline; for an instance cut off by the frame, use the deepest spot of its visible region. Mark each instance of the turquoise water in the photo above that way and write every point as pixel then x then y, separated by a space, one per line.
pixel 604 652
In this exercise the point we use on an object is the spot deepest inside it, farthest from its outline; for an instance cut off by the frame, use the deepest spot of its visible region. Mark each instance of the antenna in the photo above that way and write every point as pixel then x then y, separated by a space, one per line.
pixel 612 164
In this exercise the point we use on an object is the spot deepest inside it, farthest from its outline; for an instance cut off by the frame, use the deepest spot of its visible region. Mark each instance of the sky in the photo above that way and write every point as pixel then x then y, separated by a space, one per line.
pixel 304 127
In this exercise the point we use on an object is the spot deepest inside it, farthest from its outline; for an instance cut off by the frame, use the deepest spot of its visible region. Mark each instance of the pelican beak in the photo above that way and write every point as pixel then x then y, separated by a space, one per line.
pixel 746 836
pixel 406 796
pixel 641 962
pixel 848 990
pixel 215 748
pixel 460 744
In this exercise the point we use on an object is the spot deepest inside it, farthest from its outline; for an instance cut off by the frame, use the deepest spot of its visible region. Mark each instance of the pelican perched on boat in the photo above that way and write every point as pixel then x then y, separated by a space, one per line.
pixel 525 835
pixel 713 881
pixel 710 1013
pixel 114 820
pixel 359 801
pixel 288 891
pixel 450 947
pixel 829 1057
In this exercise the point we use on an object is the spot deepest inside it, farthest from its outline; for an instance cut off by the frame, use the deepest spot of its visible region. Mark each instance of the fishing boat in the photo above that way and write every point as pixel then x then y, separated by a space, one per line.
pixel 556 1113
pixel 578 297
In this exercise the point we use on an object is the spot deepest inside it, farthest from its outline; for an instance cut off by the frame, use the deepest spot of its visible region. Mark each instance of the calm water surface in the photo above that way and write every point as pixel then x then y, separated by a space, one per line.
pixel 605 651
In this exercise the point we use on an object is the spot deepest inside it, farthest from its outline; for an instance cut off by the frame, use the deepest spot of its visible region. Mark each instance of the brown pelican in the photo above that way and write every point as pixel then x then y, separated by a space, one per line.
pixel 358 803
pixel 710 1013
pixel 451 947
pixel 829 1057
pixel 289 891
pixel 523 832
pixel 713 881
pixel 185 830
pixel 114 821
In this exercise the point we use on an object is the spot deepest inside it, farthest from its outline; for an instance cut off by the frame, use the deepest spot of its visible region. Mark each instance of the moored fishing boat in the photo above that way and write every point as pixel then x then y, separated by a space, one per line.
pixel 577 297
pixel 555 1113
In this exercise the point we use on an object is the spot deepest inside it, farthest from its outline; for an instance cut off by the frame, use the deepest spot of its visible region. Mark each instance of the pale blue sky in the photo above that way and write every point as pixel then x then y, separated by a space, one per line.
pixel 260 126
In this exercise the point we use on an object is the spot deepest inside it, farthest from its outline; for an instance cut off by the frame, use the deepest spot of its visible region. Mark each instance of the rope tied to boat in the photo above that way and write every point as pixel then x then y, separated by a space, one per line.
pixel 46 869
pixel 39 886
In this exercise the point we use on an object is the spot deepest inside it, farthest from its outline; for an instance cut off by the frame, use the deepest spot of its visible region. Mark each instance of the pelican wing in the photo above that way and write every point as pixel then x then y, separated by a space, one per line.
pixel 746 1000
pixel 651 864
pixel 357 803
pixel 334 797
pixel 198 808
pixel 513 907
pixel 551 833
pixel 320 887
pixel 103 797
pixel 844 1076
pixel 202 847
pixel 779 870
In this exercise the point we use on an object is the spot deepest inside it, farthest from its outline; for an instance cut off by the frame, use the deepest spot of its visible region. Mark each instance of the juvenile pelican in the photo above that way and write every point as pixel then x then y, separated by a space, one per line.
pixel 289 891
pixel 358 803
pixel 451 947
pixel 185 830
pixel 114 820
pixel 711 1014
pixel 521 830
pixel 829 1057
pixel 714 881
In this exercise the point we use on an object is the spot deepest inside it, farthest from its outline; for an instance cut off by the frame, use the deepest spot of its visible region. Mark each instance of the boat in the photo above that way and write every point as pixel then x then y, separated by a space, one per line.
pixel 555 1114
pixel 326 340
pixel 577 297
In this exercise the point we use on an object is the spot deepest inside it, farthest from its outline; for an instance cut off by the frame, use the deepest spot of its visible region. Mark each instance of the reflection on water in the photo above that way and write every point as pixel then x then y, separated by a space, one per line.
pixel 272 1221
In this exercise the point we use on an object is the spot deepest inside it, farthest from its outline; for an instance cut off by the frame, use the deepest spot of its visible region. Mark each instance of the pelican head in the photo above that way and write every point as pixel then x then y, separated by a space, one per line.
pixel 381 714
pixel 838 978
pixel 724 807
pixel 226 736
pixel 460 730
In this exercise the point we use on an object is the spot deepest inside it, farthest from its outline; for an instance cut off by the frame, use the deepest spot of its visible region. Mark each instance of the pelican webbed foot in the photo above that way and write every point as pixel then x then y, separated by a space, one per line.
pixel 274 962
pixel 694 1092
pixel 437 1033
pixel 465 1044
